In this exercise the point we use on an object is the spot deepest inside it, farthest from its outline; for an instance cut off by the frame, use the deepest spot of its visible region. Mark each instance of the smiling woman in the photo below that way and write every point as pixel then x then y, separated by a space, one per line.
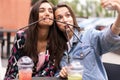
pixel 86 47
pixel 35 41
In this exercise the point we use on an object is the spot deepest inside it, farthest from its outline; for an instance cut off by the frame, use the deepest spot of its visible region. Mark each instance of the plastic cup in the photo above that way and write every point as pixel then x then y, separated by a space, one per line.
pixel 25 65
pixel 25 74
pixel 75 71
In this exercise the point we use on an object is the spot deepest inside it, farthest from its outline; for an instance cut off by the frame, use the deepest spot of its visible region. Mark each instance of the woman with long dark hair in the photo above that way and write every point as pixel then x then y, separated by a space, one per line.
pixel 35 41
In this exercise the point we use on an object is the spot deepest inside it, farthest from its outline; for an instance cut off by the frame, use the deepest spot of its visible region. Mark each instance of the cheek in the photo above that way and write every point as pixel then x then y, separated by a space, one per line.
pixel 71 21
pixel 52 16
pixel 40 16
pixel 60 26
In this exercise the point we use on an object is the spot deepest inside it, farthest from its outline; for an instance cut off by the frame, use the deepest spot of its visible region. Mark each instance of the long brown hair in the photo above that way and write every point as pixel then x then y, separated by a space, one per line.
pixel 30 48
pixel 61 39
pixel 71 12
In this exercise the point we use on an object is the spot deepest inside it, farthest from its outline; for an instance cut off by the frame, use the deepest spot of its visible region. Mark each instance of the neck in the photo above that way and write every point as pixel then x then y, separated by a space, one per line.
pixel 42 39
pixel 43 34
pixel 69 34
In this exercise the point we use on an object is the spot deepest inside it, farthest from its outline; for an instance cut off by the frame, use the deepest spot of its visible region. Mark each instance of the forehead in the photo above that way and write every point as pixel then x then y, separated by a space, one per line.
pixel 61 10
pixel 45 5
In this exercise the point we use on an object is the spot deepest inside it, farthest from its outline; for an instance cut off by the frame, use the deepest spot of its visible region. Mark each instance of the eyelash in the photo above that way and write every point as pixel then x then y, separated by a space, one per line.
pixel 67 15
pixel 51 11
pixel 59 18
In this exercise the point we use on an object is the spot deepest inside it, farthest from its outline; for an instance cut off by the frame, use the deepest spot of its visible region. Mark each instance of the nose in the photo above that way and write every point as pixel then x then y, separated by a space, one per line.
pixel 47 13
pixel 65 19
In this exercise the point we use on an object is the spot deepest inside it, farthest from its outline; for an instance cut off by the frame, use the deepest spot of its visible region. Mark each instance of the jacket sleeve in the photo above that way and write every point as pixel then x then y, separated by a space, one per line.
pixel 12 69
pixel 105 41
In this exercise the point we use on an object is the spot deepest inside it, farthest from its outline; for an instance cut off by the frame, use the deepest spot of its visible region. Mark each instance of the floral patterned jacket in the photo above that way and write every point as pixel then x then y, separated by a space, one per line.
pixel 47 68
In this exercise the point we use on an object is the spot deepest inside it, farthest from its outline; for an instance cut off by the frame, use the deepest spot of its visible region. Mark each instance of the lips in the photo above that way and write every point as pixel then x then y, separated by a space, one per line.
pixel 46 19
pixel 67 26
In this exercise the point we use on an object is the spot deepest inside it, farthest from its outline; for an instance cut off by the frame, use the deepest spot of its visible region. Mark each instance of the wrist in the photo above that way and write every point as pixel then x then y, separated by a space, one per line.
pixel 117 27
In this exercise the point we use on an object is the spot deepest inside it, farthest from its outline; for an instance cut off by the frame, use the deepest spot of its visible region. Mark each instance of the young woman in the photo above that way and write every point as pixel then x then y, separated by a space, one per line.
pixel 88 46
pixel 35 42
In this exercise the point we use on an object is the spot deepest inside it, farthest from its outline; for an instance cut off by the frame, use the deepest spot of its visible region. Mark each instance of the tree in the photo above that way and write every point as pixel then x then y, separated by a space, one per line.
pixel 52 1
pixel 91 9
pixel 33 2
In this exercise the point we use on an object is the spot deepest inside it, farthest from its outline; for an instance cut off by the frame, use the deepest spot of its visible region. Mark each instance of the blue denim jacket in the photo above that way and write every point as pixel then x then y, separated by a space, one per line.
pixel 89 49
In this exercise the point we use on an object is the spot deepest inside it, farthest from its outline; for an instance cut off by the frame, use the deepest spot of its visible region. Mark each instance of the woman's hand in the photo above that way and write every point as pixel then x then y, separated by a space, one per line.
pixel 113 5
pixel 63 72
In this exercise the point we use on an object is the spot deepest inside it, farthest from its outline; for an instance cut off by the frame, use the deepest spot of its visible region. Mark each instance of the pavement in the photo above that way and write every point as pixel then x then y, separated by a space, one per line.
pixel 3 66
pixel 4 63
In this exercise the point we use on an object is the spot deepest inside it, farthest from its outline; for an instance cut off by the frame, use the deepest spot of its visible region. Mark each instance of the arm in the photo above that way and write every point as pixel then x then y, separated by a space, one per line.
pixel 12 69
pixel 116 26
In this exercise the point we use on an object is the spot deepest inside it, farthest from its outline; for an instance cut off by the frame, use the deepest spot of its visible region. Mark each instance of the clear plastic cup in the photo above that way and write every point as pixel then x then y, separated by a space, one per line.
pixel 25 65
pixel 75 71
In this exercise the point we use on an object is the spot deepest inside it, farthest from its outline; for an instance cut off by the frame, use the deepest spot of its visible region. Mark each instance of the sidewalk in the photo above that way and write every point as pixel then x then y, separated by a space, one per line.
pixel 111 58
pixel 2 68
pixel 4 63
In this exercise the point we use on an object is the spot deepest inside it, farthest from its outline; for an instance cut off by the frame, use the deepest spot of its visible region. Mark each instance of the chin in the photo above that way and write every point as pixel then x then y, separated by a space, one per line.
pixel 48 23
pixel 68 30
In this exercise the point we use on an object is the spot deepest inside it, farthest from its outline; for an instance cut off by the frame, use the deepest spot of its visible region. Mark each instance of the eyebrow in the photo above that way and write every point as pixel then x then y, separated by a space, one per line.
pixel 44 8
pixel 41 8
pixel 58 15
pixel 65 13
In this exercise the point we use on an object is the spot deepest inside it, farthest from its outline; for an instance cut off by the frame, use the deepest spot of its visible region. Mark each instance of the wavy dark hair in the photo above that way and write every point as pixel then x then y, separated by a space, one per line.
pixel 30 47
pixel 61 39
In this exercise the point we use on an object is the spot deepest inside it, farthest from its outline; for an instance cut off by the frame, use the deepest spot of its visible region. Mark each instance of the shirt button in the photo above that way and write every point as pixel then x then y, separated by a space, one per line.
pixel 81 55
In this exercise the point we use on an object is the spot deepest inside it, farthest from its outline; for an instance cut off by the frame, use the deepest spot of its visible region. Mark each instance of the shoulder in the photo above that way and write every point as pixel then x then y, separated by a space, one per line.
pixel 21 33
pixel 20 38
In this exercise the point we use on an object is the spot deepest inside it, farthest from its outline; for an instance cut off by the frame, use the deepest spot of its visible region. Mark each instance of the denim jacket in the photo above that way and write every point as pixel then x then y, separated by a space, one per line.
pixel 89 49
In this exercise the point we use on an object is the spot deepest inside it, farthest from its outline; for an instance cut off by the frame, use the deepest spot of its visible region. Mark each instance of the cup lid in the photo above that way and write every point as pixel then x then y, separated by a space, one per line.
pixel 76 65
pixel 25 61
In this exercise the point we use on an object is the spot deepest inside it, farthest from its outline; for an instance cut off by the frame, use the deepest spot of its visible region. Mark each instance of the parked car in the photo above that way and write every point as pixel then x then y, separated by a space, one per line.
pixel 98 23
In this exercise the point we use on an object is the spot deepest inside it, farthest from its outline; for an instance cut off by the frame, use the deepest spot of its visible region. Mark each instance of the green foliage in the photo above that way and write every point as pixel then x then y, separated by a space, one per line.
pixel 33 2
pixel 91 9
pixel 54 1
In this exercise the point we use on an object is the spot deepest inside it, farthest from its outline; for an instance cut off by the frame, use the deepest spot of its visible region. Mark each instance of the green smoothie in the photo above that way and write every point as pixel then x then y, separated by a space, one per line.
pixel 74 77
